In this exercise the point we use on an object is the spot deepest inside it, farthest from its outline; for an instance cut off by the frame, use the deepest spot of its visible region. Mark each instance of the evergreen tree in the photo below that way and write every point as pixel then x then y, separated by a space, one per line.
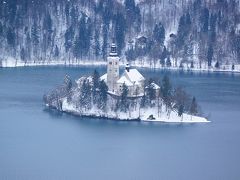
pixel 81 45
pixel 47 23
pixel 188 23
pixel 12 10
pixel 56 51
pixel 35 39
pixel 130 54
pixel 196 5
pixel 180 110
pixel 163 56
pixel 23 55
pixel 11 37
pixel 162 62
pixel 166 90
pixel 35 34
pixel 143 101
pixel 95 88
pixel 150 91
pixel 69 37
pixel 120 25
pixel 159 33
pixel 103 89
pixel 212 35
pixel 97 47
pixel 88 35
pixel 85 95
pixel 210 55
pixel 68 83
pixel 96 79
pixel 105 41
pixel 192 65
pixel 204 19
pixel 74 16
pixel 138 20
pixel 130 12
pixel 168 63
pixel 1 29
pixel 181 32
pixel 194 107
pixel 47 26
pixel 184 27
pixel 67 10
pixel 181 100
pixel 124 105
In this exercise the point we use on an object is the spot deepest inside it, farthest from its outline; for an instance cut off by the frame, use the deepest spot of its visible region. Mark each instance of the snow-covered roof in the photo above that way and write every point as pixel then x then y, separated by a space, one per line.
pixel 104 77
pixel 154 85
pixel 134 75
pixel 123 79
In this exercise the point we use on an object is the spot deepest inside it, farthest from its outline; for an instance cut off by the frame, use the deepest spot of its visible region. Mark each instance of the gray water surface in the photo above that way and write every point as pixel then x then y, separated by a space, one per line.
pixel 36 143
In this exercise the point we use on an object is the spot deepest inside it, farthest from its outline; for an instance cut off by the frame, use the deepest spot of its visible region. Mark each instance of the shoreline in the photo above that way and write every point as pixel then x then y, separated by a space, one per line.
pixel 103 63
pixel 124 116
pixel 78 114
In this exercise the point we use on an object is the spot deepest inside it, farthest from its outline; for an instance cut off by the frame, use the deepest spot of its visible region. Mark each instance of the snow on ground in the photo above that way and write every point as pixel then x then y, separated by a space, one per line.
pixel 136 114
pixel 173 118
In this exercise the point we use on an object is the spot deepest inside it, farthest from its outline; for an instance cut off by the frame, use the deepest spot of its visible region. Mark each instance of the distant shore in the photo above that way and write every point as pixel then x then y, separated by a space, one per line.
pixel 13 64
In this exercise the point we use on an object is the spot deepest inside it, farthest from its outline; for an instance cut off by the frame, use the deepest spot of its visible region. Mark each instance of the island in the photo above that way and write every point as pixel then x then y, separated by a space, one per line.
pixel 129 96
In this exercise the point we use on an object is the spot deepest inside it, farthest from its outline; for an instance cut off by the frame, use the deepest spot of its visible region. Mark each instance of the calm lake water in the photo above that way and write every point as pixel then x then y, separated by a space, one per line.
pixel 38 144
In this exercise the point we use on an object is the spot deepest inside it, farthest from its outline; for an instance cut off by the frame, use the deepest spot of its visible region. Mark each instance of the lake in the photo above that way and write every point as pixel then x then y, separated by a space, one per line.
pixel 39 144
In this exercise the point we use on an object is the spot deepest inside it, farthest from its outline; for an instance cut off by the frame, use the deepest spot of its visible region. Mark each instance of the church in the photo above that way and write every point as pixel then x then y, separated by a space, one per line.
pixel 131 77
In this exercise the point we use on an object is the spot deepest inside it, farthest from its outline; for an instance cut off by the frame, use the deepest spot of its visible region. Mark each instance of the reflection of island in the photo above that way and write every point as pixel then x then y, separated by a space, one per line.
pixel 125 97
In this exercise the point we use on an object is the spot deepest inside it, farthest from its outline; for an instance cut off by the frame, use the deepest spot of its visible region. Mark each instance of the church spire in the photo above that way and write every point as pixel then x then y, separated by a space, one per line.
pixel 113 52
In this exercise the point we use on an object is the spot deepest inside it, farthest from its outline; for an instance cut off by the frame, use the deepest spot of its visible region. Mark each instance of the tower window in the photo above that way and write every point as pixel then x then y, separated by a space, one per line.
pixel 116 63
pixel 113 49
pixel 110 63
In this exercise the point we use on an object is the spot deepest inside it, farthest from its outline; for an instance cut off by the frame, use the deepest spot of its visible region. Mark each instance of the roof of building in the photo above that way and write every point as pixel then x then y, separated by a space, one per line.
pixel 134 75
pixel 104 77
pixel 142 39
pixel 124 80
pixel 154 85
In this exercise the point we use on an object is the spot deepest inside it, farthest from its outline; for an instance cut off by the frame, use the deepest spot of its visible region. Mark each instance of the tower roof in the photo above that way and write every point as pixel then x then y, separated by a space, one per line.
pixel 113 51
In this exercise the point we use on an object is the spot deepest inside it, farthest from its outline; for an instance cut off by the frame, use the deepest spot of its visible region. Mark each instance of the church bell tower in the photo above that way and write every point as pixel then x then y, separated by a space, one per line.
pixel 113 69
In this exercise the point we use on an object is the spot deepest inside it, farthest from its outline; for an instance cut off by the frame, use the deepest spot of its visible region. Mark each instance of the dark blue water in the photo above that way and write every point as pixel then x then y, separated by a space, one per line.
pixel 38 144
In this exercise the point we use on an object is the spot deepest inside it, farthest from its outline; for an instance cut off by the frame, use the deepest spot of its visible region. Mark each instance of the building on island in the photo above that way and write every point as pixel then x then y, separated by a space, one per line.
pixel 131 77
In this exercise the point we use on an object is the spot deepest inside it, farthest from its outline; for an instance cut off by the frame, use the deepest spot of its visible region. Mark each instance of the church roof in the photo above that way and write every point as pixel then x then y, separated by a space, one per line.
pixel 123 80
pixel 134 75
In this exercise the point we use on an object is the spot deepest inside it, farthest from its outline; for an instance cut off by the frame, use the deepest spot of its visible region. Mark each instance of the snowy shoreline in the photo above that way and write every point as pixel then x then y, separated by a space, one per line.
pixel 11 64
pixel 135 116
